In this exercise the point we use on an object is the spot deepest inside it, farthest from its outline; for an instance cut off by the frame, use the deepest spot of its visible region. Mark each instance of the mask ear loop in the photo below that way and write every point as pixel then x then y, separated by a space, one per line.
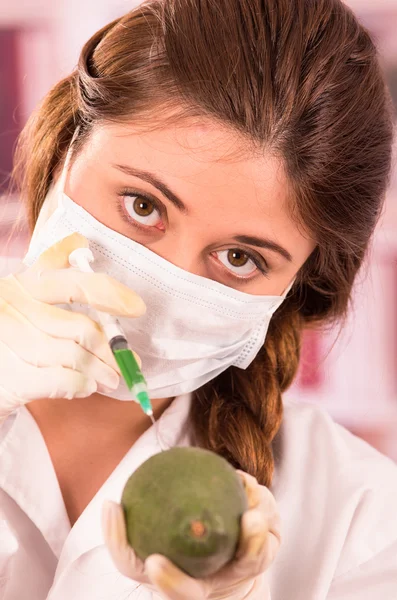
pixel 65 168
pixel 285 293
pixel 58 188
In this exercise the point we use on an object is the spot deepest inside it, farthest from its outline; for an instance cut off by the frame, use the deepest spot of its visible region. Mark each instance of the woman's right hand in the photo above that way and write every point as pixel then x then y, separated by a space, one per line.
pixel 49 352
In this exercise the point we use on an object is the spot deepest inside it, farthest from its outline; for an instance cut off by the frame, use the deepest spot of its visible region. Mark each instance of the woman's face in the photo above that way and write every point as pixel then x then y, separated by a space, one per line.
pixel 191 195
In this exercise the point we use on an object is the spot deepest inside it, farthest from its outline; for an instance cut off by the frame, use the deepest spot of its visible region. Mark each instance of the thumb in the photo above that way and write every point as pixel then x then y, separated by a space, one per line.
pixel 173 583
pixel 51 280
pixel 57 256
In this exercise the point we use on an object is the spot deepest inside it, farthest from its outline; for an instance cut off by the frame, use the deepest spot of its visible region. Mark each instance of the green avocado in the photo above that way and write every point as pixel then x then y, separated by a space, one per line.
pixel 186 504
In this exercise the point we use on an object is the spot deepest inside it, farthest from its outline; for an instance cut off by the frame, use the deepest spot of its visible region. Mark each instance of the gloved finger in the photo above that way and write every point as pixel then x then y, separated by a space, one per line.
pixel 254 531
pixel 41 350
pixel 255 553
pixel 24 383
pixel 260 537
pixel 265 511
pixel 252 488
pixel 173 583
pixel 46 280
pixel 115 536
pixel 60 323
pixel 57 256
pixel 95 289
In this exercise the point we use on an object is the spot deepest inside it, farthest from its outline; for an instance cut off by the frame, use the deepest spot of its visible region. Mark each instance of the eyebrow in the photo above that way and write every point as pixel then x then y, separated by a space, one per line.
pixel 173 198
pixel 263 243
pixel 157 183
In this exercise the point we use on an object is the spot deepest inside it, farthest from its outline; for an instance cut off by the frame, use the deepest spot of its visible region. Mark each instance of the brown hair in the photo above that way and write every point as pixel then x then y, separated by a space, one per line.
pixel 301 78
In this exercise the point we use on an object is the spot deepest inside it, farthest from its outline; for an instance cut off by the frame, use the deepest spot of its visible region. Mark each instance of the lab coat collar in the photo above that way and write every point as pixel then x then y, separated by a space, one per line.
pixel 169 431
pixel 25 465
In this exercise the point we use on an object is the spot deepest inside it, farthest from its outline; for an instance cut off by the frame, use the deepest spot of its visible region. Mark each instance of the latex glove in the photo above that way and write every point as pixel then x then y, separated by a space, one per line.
pixel 243 577
pixel 49 352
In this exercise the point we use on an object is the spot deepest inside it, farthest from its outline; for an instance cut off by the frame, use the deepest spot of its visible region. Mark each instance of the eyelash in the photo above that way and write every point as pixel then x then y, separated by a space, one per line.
pixel 259 263
pixel 132 193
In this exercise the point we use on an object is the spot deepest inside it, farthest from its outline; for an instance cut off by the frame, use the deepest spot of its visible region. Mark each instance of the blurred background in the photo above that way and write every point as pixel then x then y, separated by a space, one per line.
pixel 350 373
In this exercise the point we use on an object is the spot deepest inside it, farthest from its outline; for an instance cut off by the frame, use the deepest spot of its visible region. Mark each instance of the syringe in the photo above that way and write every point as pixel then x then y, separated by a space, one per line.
pixel 132 375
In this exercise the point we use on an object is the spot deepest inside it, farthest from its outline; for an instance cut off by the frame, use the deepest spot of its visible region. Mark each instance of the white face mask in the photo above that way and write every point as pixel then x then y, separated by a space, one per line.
pixel 193 329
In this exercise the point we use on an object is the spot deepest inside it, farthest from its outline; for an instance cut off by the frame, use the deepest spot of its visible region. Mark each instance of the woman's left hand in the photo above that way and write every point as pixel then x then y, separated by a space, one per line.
pixel 241 578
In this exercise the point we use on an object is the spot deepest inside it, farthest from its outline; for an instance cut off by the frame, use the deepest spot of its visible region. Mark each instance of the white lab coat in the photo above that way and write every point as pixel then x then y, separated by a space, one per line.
pixel 336 494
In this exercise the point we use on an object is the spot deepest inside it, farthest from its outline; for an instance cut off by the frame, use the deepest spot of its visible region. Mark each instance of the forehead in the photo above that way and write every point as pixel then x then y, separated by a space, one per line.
pixel 201 153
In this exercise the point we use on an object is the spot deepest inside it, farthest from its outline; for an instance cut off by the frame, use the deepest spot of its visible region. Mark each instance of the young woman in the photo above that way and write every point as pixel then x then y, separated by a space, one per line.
pixel 227 162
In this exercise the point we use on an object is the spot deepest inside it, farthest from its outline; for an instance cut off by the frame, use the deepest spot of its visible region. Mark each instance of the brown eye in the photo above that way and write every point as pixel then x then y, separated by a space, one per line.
pixel 237 258
pixel 143 207
pixel 142 210
pixel 237 261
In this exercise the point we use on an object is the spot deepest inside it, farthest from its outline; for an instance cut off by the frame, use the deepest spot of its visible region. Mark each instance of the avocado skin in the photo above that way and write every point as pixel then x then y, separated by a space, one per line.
pixel 175 491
